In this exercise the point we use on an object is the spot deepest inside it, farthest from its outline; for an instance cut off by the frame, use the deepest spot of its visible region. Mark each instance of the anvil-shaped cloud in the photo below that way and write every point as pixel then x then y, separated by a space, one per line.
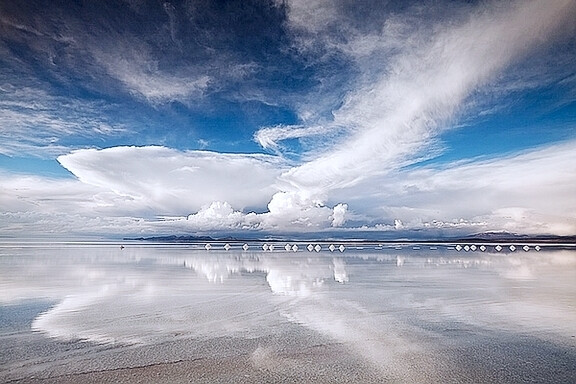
pixel 175 182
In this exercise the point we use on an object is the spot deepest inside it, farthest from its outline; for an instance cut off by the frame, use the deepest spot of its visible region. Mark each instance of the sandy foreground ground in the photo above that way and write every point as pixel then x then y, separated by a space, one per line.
pixel 295 356
pixel 308 359
pixel 239 369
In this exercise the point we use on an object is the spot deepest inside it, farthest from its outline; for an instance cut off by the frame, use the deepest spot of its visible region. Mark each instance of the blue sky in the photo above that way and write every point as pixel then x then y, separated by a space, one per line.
pixel 270 117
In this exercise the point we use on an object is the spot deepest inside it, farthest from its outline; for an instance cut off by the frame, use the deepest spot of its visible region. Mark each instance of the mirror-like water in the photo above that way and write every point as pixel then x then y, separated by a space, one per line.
pixel 90 313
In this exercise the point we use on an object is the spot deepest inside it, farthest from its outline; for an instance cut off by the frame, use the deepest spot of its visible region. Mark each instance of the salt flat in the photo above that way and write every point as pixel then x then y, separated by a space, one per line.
pixel 87 313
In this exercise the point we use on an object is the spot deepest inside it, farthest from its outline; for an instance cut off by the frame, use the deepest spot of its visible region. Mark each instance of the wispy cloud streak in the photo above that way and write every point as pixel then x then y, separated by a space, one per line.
pixel 35 122
pixel 397 119
pixel 140 74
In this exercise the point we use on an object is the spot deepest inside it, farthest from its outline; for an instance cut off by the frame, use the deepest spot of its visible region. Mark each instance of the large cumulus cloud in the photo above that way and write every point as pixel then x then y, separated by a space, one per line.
pixel 175 182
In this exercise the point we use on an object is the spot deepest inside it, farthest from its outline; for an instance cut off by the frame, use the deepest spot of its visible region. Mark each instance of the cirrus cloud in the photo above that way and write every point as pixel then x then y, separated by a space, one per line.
pixel 395 117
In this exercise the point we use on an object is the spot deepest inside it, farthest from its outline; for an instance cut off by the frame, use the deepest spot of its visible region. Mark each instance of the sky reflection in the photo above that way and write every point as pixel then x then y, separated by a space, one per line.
pixel 384 305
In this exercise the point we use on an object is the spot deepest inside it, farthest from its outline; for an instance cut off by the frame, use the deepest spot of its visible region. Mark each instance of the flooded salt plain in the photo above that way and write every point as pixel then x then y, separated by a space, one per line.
pixel 181 313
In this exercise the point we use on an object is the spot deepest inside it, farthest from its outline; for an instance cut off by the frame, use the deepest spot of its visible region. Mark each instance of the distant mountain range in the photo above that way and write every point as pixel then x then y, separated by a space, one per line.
pixel 486 237
pixel 493 237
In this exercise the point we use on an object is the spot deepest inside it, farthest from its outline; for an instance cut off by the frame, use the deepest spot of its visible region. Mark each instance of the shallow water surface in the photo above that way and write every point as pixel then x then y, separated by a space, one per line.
pixel 96 312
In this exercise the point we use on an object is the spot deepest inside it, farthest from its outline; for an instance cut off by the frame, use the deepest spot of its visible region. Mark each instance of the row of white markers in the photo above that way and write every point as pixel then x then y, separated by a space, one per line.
pixel 317 248
pixel 287 247
pixel 498 248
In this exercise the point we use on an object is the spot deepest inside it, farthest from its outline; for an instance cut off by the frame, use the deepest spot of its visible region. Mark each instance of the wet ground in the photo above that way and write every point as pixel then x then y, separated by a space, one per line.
pixel 92 313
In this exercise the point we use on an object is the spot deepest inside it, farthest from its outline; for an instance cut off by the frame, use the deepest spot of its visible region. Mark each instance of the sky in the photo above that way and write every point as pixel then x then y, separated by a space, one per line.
pixel 328 118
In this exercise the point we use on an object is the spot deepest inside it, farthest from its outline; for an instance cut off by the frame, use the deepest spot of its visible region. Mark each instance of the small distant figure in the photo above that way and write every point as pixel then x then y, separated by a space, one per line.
pixel 121 247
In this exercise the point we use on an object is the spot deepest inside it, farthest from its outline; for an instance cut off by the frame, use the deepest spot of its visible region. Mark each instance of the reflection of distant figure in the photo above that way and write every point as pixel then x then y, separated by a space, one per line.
pixel 340 274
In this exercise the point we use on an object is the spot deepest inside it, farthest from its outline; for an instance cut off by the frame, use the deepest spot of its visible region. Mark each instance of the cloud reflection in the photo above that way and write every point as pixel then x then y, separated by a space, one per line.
pixel 383 305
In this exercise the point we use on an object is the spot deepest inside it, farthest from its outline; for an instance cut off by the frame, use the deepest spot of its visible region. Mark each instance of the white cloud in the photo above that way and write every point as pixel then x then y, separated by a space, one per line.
pixel 122 190
pixel 290 211
pixel 219 215
pixel 313 16
pixel 286 212
pixel 270 137
pixel 339 215
pixel 175 182
pixel 142 77
pixel 394 120
pixel 529 192
pixel 33 122
pixel 38 206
